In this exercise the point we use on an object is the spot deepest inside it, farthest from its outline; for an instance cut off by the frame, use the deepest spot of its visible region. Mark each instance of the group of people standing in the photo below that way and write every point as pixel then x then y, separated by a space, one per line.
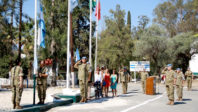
pixel 17 83
pixel 103 80
pixel 106 80
pixel 175 79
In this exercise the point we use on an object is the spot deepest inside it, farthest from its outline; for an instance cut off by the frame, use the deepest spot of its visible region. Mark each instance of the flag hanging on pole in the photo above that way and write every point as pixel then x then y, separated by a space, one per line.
pixel 93 4
pixel 39 37
pixel 77 55
pixel 42 31
pixel 73 4
pixel 97 14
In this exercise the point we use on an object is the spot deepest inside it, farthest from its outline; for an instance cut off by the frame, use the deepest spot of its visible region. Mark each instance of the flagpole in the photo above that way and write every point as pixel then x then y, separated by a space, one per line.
pixel 96 35
pixel 90 33
pixel 35 51
pixel 68 43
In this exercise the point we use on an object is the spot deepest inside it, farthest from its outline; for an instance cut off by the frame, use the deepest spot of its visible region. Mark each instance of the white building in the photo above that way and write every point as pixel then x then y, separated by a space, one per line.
pixel 194 64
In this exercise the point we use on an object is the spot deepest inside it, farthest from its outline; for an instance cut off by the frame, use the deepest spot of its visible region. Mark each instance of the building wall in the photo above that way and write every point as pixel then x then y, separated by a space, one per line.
pixel 194 64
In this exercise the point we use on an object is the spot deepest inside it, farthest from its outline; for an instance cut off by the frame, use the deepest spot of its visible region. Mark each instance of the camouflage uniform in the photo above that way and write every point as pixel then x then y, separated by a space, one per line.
pixel 42 84
pixel 16 73
pixel 189 79
pixel 124 76
pixel 83 70
pixel 170 76
pixel 179 84
pixel 143 80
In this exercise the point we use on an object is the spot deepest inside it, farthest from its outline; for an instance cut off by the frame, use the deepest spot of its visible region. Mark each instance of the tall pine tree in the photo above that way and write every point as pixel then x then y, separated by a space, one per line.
pixel 129 19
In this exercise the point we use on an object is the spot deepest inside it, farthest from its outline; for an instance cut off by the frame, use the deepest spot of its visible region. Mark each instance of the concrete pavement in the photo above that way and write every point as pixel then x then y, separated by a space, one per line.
pixel 135 101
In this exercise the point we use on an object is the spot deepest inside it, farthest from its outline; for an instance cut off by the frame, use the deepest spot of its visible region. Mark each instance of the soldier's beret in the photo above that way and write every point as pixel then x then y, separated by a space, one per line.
pixel 178 69
pixel 169 65
pixel 84 57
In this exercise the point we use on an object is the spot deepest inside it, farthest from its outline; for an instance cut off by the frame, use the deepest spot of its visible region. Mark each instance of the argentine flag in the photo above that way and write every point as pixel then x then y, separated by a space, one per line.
pixel 77 55
pixel 41 30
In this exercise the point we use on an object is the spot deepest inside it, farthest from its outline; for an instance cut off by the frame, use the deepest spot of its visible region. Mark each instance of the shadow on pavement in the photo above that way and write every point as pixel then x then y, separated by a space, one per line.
pixel 2 90
pixel 187 100
pixel 125 95
pixel 132 92
pixel 194 90
pixel 179 103
pixel 135 90
pixel 98 100
pixel 158 94
pixel 31 105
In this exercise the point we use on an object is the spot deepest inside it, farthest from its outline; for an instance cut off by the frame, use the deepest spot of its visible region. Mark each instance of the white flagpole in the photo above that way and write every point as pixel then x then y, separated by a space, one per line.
pixel 35 35
pixel 90 33
pixel 68 43
pixel 96 35
pixel 35 52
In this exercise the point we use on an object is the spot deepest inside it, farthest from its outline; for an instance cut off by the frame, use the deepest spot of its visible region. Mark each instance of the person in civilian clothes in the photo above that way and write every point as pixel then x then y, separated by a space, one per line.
pixel 107 81
pixel 114 83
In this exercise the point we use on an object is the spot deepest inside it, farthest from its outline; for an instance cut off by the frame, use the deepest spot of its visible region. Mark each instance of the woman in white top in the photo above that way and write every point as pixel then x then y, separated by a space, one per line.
pixel 98 76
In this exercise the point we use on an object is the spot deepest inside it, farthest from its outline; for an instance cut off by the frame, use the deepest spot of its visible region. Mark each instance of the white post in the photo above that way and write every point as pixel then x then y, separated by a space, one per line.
pixel 68 43
pixel 90 33
pixel 35 35
pixel 96 36
pixel 135 76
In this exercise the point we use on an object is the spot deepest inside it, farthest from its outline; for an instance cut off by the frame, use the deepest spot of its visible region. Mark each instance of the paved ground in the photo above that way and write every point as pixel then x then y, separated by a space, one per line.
pixel 27 97
pixel 135 101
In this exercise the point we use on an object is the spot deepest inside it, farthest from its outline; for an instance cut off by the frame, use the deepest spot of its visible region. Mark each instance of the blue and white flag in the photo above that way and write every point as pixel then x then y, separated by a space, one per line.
pixel 77 55
pixel 41 31
pixel 73 4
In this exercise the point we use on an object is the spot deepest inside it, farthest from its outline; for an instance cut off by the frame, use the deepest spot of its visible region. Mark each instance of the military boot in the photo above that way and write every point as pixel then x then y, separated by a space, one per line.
pixel 39 103
pixel 85 100
pixel 82 99
pixel 180 99
pixel 18 106
pixel 42 102
pixel 14 105
pixel 172 103
pixel 169 103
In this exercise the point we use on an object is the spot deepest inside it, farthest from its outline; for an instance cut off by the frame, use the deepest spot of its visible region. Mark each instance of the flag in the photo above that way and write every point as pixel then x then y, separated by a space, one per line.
pixel 93 4
pixel 42 31
pixel 77 55
pixel 39 37
pixel 97 14
pixel 73 4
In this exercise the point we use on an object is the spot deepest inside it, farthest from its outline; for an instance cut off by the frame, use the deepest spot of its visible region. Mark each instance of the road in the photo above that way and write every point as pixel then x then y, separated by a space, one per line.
pixel 135 101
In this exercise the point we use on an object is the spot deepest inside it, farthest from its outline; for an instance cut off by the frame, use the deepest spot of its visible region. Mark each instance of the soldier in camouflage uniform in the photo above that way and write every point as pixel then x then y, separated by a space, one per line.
pixel 179 84
pixel 124 76
pixel 189 77
pixel 170 82
pixel 144 76
pixel 17 85
pixel 42 82
pixel 84 76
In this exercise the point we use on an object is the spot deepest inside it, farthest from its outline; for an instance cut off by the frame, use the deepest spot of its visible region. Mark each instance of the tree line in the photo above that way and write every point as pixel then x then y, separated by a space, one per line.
pixel 170 38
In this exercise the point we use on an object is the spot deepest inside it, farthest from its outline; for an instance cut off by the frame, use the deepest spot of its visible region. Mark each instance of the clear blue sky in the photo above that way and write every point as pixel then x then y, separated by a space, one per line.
pixel 137 8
